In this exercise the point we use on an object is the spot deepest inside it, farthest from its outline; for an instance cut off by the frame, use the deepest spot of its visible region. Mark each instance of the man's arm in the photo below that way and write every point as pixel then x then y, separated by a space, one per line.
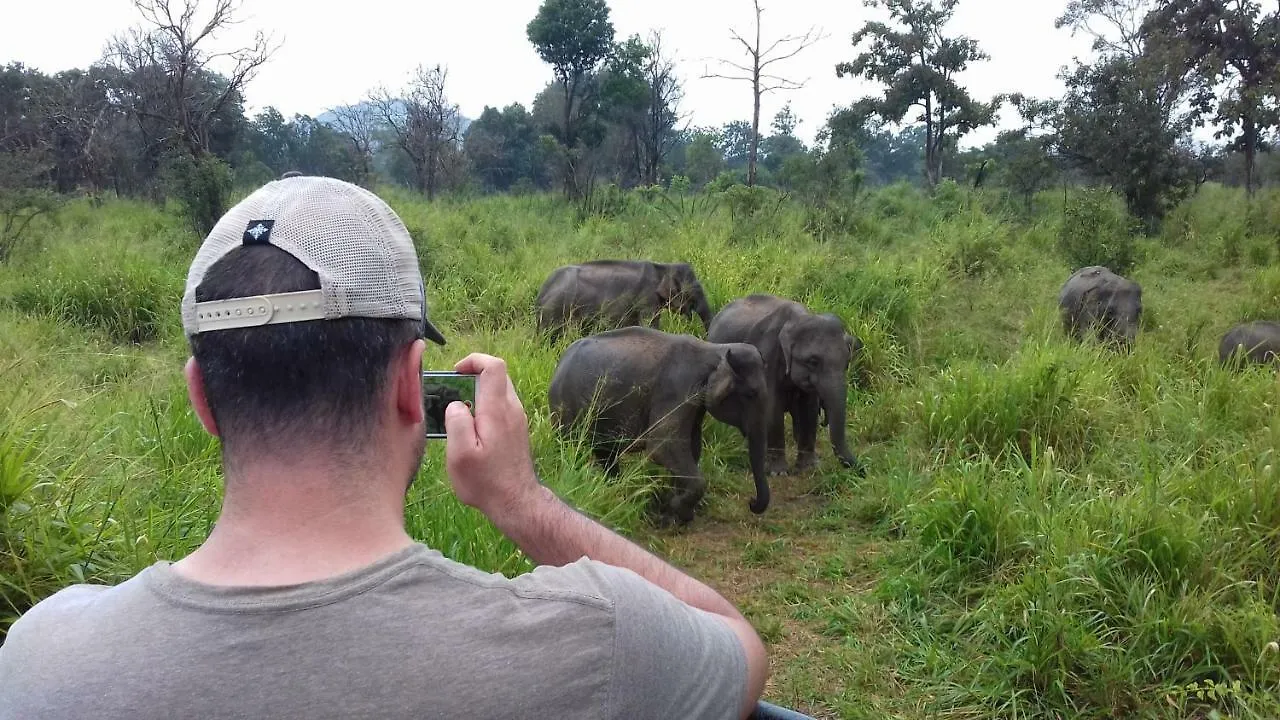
pixel 491 468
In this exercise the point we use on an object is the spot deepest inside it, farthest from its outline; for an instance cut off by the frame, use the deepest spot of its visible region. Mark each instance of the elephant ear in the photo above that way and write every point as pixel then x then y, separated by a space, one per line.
pixel 853 343
pixel 786 340
pixel 720 382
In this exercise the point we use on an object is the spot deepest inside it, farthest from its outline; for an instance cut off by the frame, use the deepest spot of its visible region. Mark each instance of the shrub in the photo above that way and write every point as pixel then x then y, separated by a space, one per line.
pixel 132 300
pixel 1096 231
pixel 203 187
pixel 1032 402
pixel 974 247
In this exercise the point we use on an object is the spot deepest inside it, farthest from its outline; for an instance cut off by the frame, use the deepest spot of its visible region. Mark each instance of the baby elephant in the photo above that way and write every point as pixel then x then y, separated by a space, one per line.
pixel 606 294
pixel 1255 342
pixel 1096 300
pixel 806 360
pixel 641 388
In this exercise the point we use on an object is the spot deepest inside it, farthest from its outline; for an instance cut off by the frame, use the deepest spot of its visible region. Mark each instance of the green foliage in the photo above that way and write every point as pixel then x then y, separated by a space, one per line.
pixel 574 37
pixel 126 294
pixel 1095 231
pixel 1035 401
pixel 917 64
pixel 1114 124
pixel 203 186
pixel 703 159
pixel 1046 530
pixel 19 207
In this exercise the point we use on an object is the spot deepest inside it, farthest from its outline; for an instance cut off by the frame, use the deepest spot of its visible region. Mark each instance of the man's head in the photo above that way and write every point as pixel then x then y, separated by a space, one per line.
pixel 305 312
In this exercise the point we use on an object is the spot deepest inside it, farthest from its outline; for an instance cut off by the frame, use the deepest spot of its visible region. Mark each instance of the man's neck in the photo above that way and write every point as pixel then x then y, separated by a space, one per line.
pixel 282 524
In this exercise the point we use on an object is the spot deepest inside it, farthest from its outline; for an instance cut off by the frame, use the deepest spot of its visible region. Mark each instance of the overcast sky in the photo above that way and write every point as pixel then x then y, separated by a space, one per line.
pixel 332 57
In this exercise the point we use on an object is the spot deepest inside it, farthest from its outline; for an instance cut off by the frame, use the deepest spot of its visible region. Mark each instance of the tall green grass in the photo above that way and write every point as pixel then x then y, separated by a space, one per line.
pixel 1068 532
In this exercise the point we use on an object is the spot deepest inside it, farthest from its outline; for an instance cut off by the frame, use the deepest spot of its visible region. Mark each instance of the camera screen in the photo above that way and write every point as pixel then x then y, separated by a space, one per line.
pixel 438 390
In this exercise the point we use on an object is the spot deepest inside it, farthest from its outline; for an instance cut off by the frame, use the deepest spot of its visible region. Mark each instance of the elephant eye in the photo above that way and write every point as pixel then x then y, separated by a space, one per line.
pixel 814 361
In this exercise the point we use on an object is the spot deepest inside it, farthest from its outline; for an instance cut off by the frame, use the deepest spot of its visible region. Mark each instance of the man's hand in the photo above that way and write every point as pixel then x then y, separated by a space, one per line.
pixel 487 456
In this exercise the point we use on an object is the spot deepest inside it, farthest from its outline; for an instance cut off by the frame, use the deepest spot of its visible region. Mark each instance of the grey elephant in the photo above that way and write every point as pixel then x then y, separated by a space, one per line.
pixel 435 398
pixel 642 389
pixel 608 294
pixel 806 357
pixel 1096 301
pixel 1256 342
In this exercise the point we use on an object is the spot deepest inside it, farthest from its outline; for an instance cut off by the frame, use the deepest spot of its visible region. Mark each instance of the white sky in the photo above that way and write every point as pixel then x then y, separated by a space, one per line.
pixel 332 57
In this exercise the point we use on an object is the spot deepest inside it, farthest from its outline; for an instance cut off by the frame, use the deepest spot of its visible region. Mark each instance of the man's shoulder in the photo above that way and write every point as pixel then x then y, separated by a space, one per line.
pixel 63 614
pixel 71 601
pixel 584 582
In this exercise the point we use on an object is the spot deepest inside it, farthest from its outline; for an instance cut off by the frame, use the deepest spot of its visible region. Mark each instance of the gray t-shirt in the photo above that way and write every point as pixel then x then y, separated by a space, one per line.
pixel 414 635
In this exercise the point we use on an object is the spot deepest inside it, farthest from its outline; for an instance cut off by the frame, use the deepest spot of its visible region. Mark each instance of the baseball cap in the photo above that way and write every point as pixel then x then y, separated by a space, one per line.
pixel 348 236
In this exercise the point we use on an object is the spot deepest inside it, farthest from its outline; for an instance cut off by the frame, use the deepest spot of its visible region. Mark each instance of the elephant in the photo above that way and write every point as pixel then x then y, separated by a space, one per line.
pixel 639 388
pixel 609 294
pixel 806 357
pixel 1096 300
pixel 1256 342
pixel 435 398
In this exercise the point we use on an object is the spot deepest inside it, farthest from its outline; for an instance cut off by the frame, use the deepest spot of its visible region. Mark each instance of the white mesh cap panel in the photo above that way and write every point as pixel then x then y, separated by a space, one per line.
pixel 354 242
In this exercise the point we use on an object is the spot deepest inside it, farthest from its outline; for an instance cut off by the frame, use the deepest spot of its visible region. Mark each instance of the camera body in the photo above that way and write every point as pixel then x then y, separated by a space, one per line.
pixel 439 388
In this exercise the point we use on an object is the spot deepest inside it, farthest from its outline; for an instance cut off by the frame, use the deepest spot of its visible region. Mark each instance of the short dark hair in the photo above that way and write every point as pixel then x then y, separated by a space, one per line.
pixel 312 382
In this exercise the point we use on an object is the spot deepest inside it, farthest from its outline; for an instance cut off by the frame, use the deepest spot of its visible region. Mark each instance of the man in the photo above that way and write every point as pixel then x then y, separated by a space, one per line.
pixel 306 316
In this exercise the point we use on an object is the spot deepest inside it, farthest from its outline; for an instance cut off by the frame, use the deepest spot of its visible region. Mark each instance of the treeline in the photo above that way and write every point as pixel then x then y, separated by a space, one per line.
pixel 152 117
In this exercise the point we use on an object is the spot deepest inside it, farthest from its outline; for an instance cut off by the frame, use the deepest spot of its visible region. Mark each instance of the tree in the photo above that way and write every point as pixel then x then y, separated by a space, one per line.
pixel 736 139
pixel 425 126
pixel 1124 117
pixel 756 72
pixel 1113 125
pixel 658 130
pixel 703 159
pixel 574 37
pixel 918 65
pixel 166 67
pixel 783 143
pixel 1228 42
pixel 502 147
pixel 359 124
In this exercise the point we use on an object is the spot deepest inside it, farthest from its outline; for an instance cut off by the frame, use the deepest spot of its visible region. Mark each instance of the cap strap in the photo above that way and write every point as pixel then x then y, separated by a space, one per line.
pixel 260 310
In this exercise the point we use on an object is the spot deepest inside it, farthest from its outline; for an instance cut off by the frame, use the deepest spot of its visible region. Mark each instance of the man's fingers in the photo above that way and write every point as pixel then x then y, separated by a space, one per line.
pixel 493 386
pixel 475 363
pixel 459 427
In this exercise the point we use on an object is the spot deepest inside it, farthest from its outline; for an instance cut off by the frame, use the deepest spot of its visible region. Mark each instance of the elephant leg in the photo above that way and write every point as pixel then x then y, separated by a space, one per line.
pixel 687 484
pixel 695 442
pixel 804 420
pixel 776 462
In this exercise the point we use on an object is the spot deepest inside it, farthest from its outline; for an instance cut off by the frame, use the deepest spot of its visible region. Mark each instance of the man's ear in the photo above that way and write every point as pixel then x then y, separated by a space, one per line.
pixel 406 383
pixel 195 393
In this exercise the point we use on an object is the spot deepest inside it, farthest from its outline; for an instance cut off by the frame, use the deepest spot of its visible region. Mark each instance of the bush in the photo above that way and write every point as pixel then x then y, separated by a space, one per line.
pixel 202 186
pixel 18 209
pixel 975 247
pixel 1096 230
pixel 133 301
pixel 1034 401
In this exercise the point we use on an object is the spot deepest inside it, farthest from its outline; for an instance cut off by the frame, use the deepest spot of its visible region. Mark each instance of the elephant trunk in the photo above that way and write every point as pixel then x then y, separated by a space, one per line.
pixel 701 307
pixel 757 446
pixel 834 395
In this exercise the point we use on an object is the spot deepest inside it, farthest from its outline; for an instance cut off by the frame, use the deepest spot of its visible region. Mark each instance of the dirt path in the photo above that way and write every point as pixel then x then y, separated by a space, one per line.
pixel 804 574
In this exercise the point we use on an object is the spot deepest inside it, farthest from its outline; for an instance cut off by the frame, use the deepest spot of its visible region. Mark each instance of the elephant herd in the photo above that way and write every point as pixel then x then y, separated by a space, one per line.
pixel 1096 301
pixel 632 388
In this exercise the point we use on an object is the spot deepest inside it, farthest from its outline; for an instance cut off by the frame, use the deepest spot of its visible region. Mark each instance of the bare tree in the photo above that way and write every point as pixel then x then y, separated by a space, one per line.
pixel 169 70
pixel 757 73
pixel 425 124
pixel 360 124
pixel 662 114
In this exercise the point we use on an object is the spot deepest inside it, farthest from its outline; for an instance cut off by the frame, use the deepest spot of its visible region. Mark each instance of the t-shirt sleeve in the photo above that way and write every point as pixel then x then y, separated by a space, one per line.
pixel 671 660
